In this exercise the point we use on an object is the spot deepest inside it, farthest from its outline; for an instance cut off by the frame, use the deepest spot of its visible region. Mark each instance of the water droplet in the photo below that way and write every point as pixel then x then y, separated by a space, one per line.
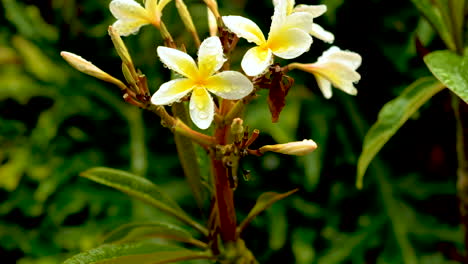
pixel 203 115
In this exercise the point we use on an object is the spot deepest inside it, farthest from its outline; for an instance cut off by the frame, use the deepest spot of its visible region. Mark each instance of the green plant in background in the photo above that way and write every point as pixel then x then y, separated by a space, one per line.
pixel 228 142
pixel 449 68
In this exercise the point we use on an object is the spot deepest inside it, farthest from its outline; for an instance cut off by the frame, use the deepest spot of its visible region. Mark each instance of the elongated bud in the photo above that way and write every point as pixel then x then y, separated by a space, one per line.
pixel 87 67
pixel 128 75
pixel 212 24
pixel 187 19
pixel 213 6
pixel 120 46
pixel 298 148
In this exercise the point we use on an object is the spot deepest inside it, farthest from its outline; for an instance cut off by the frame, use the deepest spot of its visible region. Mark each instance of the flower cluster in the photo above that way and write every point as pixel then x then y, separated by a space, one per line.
pixel 290 36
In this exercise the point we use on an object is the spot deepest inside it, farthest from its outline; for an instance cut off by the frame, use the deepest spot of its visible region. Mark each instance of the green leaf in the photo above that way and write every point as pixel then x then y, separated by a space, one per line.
pixel 138 231
pixel 435 18
pixel 263 202
pixel 142 189
pixel 141 253
pixel 451 70
pixel 392 116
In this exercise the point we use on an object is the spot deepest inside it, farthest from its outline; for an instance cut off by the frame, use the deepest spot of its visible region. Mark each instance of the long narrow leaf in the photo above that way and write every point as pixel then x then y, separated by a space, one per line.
pixel 392 116
pixel 141 253
pixel 142 189
pixel 434 16
pixel 263 202
pixel 139 231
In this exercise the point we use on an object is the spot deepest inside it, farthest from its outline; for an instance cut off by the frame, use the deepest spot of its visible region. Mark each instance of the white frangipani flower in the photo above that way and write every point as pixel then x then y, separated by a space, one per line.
pixel 286 38
pixel 335 66
pixel 199 80
pixel 131 16
pixel 315 11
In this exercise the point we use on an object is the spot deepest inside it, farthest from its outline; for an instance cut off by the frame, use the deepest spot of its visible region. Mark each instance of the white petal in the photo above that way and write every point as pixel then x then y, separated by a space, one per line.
pixel 244 28
pixel 201 108
pixel 334 54
pixel 210 56
pixel 230 85
pixel 178 61
pixel 324 85
pixel 340 75
pixel 279 17
pixel 128 27
pixel 172 91
pixel 256 60
pixel 290 43
pixel 127 9
pixel 301 20
pixel 290 5
pixel 315 10
pixel 320 33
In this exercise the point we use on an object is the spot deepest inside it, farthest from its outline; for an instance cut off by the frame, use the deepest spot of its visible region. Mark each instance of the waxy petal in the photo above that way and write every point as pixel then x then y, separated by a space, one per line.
pixel 301 20
pixel 230 85
pixel 320 33
pixel 128 27
pixel 178 61
pixel 256 60
pixel 290 43
pixel 127 10
pixel 324 85
pixel 244 28
pixel 279 17
pixel 314 10
pixel 172 91
pixel 201 108
pixel 340 75
pixel 348 58
pixel 210 56
pixel 151 7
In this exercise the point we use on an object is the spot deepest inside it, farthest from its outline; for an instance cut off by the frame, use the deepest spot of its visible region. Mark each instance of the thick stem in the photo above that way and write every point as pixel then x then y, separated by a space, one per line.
pixel 461 116
pixel 223 193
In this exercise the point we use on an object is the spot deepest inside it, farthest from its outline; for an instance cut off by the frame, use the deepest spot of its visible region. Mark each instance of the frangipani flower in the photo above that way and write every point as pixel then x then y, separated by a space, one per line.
pixel 286 38
pixel 199 80
pixel 131 16
pixel 315 11
pixel 335 67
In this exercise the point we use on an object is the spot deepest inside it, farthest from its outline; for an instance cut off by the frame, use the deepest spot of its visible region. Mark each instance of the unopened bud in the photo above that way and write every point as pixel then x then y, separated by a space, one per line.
pixel 298 148
pixel 212 24
pixel 186 18
pixel 120 46
pixel 236 127
pixel 128 75
pixel 87 67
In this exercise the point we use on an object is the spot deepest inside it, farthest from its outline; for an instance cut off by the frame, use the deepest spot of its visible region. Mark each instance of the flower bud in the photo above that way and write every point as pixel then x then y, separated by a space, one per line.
pixel 87 67
pixel 187 18
pixel 212 24
pixel 236 127
pixel 298 148
pixel 120 46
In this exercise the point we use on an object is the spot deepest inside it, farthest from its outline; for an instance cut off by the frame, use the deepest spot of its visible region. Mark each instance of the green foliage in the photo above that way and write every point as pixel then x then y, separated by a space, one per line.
pixel 141 252
pixel 451 70
pixel 392 116
pixel 142 189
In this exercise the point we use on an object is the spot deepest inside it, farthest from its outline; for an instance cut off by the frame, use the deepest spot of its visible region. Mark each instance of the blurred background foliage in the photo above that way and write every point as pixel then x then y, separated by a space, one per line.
pixel 56 122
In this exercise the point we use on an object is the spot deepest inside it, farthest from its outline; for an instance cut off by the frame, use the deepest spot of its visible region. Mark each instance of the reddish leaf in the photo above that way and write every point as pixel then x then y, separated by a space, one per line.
pixel 279 88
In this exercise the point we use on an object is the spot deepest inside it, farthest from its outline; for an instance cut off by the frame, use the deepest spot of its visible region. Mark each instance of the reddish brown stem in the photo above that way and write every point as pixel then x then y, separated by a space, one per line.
pixel 224 193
